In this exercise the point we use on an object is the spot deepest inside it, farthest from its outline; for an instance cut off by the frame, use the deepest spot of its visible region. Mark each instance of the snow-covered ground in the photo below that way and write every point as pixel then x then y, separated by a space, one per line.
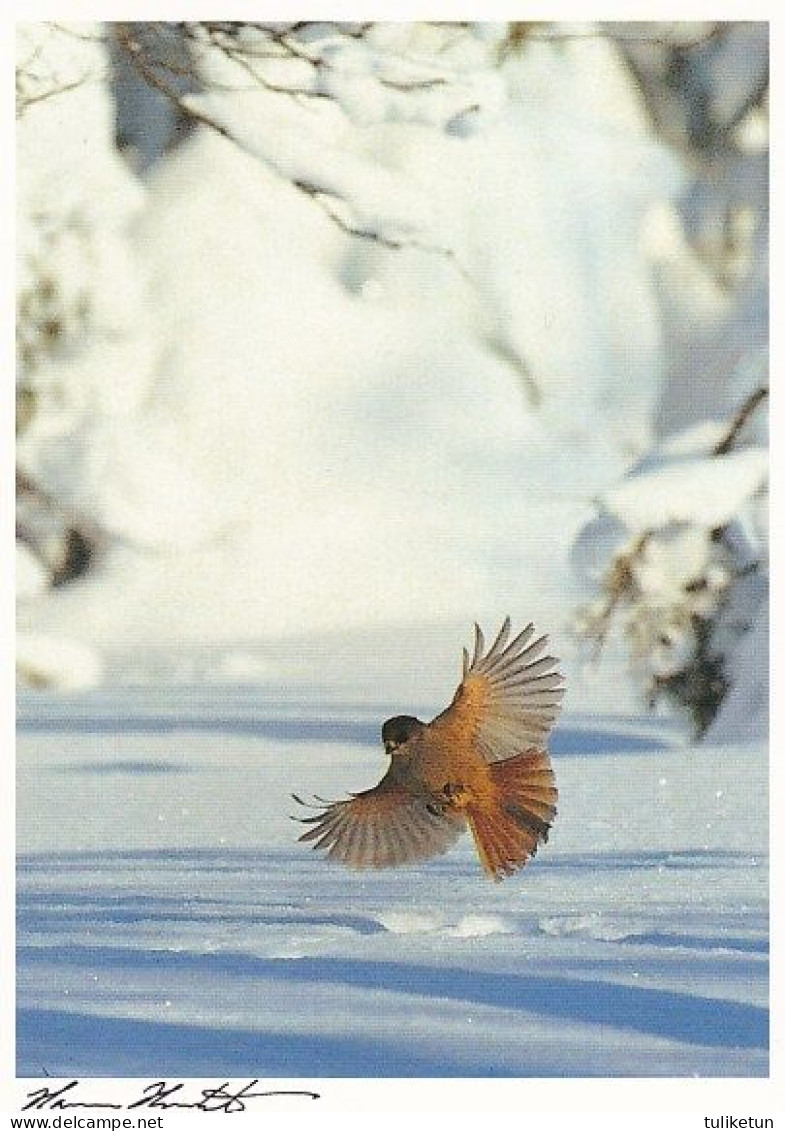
pixel 169 923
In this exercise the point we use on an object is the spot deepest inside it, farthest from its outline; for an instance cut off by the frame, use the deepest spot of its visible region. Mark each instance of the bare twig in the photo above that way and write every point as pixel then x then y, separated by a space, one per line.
pixel 739 420
pixel 619 585
pixel 297 51
pixel 72 33
pixel 25 101
pixel 557 36
pixel 240 57
pixel 500 345
pixel 147 71
pixel 25 76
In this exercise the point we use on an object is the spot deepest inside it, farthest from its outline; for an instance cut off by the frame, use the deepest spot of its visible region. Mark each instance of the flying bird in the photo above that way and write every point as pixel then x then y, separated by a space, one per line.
pixel 480 764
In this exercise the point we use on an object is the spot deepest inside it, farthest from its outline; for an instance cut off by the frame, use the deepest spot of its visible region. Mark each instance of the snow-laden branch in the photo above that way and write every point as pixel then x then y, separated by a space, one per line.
pixel 677 557
pixel 364 201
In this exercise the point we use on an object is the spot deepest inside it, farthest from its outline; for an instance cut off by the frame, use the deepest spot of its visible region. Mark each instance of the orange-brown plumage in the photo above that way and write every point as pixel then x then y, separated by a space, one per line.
pixel 481 764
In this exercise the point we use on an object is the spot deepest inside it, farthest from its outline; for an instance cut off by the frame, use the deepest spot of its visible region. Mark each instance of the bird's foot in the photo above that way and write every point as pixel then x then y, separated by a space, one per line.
pixel 455 794
pixel 450 796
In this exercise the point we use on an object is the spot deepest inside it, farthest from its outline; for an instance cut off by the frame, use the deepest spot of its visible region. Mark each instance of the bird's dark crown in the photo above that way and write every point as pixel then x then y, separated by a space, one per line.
pixel 400 729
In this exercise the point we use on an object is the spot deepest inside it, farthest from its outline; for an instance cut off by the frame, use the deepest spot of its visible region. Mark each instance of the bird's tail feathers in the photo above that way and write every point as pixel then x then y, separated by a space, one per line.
pixel 509 825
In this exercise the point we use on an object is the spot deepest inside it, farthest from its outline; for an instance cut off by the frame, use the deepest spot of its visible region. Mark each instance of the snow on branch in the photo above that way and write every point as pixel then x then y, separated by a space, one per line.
pixel 359 70
pixel 677 556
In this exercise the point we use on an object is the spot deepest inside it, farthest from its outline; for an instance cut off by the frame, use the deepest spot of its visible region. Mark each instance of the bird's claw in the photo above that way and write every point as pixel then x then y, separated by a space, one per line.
pixel 453 792
pixel 450 797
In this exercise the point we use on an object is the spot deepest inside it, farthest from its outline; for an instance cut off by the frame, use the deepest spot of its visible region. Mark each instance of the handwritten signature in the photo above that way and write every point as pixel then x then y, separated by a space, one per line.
pixel 224 1097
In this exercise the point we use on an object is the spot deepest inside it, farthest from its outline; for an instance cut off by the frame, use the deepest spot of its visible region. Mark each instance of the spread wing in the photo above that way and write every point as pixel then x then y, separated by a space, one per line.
pixel 381 827
pixel 508 698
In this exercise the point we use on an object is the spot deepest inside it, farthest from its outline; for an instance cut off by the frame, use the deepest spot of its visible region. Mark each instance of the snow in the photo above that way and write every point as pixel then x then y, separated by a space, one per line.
pixel 45 661
pixel 83 349
pixel 706 491
pixel 31 577
pixel 376 200
pixel 404 72
pixel 169 923
pixel 745 711
pixel 307 405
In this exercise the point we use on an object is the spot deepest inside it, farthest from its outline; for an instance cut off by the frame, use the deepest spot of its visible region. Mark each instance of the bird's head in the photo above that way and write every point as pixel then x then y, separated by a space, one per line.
pixel 399 730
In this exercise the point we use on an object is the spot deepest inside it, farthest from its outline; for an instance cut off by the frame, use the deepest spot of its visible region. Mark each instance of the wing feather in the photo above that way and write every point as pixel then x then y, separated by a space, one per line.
pixel 381 827
pixel 479 644
pixel 498 645
pixel 508 698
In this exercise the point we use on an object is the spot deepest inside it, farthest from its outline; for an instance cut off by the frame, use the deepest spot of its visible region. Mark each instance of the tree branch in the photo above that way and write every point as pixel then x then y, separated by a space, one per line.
pixel 25 101
pixel 148 71
pixel 608 32
pixel 740 418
